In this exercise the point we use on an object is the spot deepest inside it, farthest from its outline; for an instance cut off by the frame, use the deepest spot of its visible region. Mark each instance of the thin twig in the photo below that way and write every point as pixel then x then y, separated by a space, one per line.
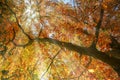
pixel 50 63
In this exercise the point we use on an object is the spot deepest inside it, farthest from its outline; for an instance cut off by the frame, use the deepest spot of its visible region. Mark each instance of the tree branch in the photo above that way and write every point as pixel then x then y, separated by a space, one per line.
pixel 50 63
pixel 90 51
pixel 17 20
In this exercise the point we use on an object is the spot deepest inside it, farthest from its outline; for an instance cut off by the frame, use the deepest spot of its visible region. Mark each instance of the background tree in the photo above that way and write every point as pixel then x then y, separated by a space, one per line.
pixel 51 40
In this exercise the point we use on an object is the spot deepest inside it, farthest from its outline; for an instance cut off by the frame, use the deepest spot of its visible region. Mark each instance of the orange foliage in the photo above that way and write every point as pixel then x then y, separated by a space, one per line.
pixel 29 58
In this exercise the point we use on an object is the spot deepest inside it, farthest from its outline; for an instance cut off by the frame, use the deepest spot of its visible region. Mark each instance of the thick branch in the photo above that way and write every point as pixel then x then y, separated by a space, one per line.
pixel 99 24
pixel 115 44
pixel 91 51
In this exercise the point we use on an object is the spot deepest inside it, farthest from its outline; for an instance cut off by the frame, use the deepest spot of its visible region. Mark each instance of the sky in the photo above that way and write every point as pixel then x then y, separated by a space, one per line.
pixel 68 1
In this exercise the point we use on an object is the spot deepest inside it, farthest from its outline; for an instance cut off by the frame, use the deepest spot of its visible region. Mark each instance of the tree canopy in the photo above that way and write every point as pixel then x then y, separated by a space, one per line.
pixel 55 40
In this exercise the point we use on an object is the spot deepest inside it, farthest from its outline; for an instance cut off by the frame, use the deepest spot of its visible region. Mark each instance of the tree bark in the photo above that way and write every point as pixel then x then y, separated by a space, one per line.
pixel 90 51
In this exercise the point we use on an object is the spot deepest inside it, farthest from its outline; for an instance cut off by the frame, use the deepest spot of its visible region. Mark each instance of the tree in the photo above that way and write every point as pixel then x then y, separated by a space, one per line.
pixel 44 39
